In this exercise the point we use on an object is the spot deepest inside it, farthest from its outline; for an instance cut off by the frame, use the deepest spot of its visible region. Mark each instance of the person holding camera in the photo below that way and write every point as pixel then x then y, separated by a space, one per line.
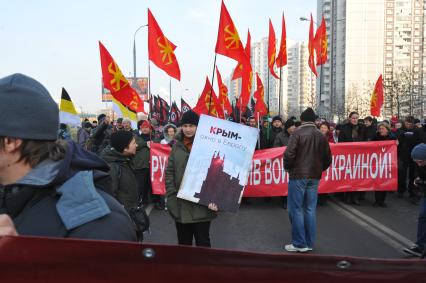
pixel 418 154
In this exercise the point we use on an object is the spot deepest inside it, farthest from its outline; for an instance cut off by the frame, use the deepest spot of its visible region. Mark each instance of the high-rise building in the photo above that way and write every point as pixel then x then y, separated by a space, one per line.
pixel 403 53
pixel 301 92
pixel 297 81
pixel 367 38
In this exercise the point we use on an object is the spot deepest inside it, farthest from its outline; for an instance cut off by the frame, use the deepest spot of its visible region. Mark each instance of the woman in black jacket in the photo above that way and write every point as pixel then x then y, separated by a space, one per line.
pixel 383 134
pixel 352 132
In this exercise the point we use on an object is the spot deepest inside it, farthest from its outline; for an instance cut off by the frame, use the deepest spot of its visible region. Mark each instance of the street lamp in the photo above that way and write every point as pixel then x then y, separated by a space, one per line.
pixel 134 51
pixel 304 19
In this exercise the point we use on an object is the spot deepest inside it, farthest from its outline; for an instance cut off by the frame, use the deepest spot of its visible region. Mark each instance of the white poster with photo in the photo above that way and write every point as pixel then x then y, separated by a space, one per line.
pixel 219 163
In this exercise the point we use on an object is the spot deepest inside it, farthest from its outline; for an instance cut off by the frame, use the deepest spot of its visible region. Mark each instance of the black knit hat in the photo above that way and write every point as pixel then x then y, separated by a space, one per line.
pixel 308 115
pixel 289 123
pixel 120 140
pixel 190 117
pixel 277 118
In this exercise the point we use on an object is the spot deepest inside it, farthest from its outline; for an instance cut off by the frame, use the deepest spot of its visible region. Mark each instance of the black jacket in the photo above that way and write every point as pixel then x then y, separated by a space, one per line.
pixel 346 133
pixel 407 141
pixel 101 137
pixel 378 137
pixel 282 139
pixel 124 186
pixel 370 133
pixel 420 135
pixel 59 199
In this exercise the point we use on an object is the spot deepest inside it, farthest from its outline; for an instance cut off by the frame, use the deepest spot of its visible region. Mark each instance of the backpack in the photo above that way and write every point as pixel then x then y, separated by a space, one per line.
pixel 138 214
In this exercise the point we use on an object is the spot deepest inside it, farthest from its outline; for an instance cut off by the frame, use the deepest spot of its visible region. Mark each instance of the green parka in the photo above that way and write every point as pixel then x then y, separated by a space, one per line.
pixel 182 211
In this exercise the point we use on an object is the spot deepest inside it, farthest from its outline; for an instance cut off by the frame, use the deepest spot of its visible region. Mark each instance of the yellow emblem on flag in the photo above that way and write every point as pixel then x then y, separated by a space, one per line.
pixel 233 38
pixel 118 77
pixel 166 50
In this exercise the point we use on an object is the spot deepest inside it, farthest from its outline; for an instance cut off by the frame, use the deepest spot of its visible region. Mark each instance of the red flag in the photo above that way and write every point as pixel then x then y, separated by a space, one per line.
pixel 259 95
pixel 272 49
pixel 223 94
pixel 184 107
pixel 228 41
pixel 117 84
pixel 246 85
pixel 311 47
pixel 282 55
pixel 376 102
pixel 208 102
pixel 161 50
pixel 238 71
pixel 321 44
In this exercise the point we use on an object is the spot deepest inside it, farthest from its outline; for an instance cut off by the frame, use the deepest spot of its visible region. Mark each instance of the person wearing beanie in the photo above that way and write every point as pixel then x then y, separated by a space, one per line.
pixel 141 161
pixel 55 177
pixel 190 118
pixel 407 140
pixel 118 125
pixel 277 127
pixel 307 155
pixel 283 137
pixel 418 154
pixel 352 132
pixel 99 138
pixel 308 115
pixel 83 134
pixel 192 220
pixel 119 158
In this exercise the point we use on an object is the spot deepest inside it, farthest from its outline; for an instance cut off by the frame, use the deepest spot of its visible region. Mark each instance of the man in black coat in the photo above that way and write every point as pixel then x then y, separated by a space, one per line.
pixel 406 166
pixel 48 188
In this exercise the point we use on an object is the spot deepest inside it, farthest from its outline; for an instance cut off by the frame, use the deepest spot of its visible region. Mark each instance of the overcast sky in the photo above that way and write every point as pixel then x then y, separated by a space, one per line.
pixel 56 42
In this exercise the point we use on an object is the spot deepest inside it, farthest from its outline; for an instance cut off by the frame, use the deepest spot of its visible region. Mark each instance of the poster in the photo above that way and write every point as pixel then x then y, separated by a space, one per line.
pixel 219 163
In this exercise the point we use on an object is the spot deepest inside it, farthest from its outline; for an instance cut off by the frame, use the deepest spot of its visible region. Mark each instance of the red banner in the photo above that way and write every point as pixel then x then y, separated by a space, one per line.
pixel 363 166
pixel 159 159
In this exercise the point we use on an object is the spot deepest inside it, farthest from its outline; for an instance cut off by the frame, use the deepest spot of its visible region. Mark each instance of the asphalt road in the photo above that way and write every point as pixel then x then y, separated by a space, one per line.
pixel 260 226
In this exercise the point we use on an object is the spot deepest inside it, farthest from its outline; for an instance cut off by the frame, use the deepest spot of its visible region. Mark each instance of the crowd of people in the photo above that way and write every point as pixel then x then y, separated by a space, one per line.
pixel 108 162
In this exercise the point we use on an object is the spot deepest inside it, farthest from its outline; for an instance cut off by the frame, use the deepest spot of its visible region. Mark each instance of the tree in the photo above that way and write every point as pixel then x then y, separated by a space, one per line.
pixel 358 98
pixel 402 94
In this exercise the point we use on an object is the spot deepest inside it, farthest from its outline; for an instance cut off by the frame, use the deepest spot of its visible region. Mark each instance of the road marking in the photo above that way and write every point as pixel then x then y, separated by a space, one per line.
pixel 149 208
pixel 391 237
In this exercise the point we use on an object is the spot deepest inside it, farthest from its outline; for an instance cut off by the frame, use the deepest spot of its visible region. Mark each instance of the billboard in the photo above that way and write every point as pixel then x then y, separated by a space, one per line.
pixel 140 85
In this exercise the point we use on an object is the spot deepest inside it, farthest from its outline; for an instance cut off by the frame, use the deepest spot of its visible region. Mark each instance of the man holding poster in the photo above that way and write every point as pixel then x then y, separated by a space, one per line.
pixel 307 155
pixel 192 220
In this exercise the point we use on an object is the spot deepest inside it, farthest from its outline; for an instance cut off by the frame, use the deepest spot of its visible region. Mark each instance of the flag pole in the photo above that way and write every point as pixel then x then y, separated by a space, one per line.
pixel 279 94
pixel 267 130
pixel 258 126
pixel 211 90
pixel 170 92
pixel 149 90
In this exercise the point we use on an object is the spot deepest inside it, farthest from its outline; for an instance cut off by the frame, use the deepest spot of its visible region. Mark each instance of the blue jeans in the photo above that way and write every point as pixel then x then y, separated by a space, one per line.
pixel 301 204
pixel 421 226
